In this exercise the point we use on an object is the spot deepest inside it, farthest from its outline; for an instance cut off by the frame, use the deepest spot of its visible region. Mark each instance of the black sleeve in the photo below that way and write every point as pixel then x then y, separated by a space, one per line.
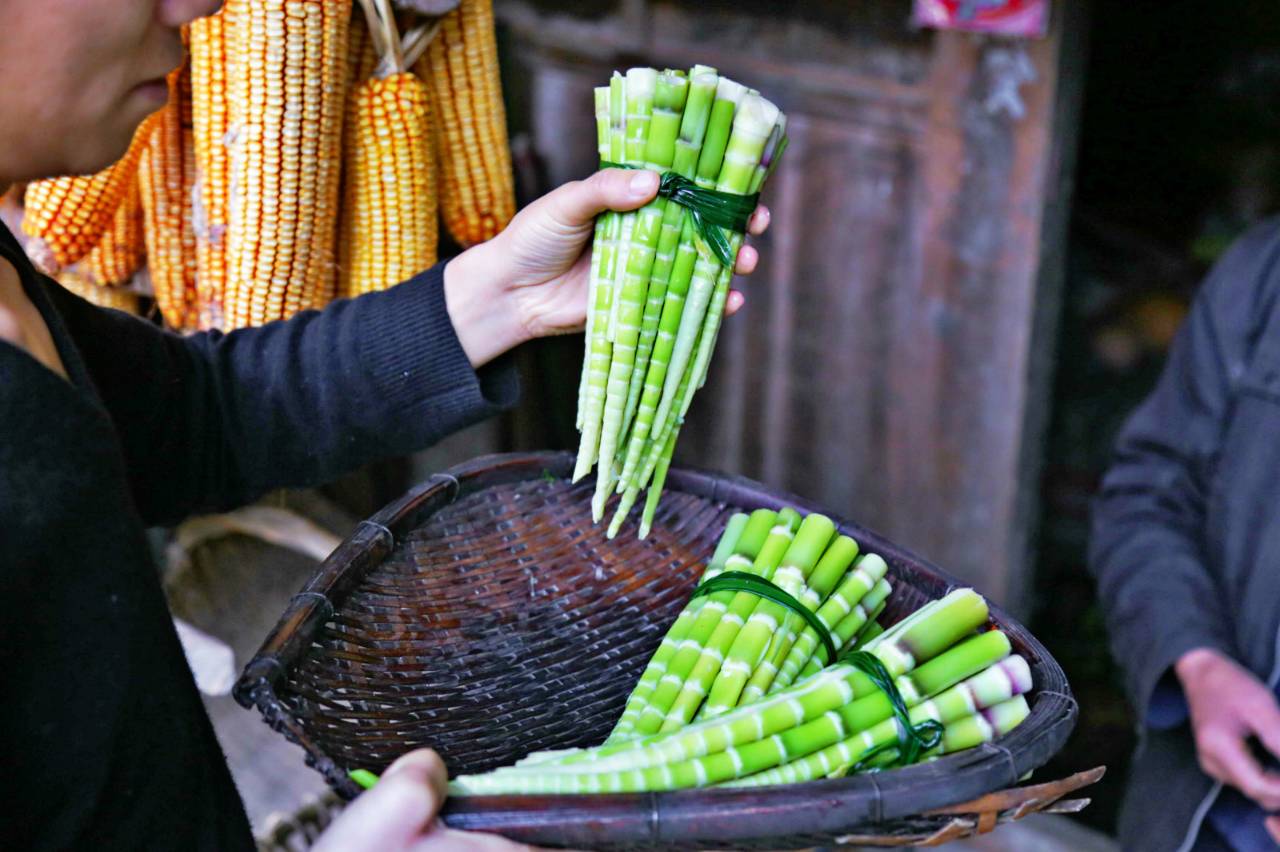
pixel 1158 591
pixel 212 420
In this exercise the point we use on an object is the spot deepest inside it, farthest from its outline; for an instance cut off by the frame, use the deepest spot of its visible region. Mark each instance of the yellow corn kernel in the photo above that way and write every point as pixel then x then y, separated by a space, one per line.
pixel 477 193
pixel 362 56
pixel 287 91
pixel 210 69
pixel 166 175
pixel 389 224
pixel 122 249
pixel 67 216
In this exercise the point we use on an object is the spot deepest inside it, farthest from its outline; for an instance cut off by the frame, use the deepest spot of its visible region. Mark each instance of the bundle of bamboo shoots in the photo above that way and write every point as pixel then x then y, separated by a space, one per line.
pixel 659 280
pixel 750 686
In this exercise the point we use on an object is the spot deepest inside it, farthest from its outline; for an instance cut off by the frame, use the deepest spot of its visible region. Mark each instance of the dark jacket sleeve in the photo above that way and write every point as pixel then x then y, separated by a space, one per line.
pixel 1156 586
pixel 210 421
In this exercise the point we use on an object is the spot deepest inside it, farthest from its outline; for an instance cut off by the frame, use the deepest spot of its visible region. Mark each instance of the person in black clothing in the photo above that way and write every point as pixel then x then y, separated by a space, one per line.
pixel 109 424
pixel 1186 548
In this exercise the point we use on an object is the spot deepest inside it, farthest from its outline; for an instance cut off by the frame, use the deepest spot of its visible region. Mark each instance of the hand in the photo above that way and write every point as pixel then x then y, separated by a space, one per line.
pixel 531 280
pixel 399 813
pixel 1229 705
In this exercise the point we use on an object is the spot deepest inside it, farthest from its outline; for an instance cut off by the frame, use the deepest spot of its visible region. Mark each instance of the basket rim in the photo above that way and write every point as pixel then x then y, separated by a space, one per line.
pixel 825 807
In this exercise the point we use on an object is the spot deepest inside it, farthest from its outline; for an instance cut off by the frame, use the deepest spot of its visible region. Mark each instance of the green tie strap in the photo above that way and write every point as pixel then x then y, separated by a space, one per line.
pixel 741 581
pixel 913 740
pixel 709 209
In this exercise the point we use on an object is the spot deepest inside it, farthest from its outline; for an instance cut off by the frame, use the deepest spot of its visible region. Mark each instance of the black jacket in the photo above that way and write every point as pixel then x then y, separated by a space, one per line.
pixel 103 740
pixel 1186 531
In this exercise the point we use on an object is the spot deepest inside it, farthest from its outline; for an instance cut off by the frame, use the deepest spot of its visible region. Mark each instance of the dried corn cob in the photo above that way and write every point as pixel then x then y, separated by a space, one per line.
pixel 166 175
pixel 477 193
pixel 389 217
pixel 80 282
pixel 362 56
pixel 122 249
pixel 67 216
pixel 287 92
pixel 210 62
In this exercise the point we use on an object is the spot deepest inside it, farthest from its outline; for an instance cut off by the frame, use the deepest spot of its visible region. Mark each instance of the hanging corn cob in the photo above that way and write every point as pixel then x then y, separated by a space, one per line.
pixel 679 698
pixel 166 176
pixel 122 249
pixel 362 55
pixel 286 96
pixel 80 282
pixel 65 217
pixel 477 194
pixel 210 41
pixel 388 223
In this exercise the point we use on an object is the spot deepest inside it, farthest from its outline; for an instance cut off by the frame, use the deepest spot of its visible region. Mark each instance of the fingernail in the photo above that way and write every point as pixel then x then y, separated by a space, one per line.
pixel 415 762
pixel 643 183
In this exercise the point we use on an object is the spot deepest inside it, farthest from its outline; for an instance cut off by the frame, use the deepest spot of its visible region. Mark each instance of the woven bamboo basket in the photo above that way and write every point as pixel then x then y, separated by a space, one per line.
pixel 485 616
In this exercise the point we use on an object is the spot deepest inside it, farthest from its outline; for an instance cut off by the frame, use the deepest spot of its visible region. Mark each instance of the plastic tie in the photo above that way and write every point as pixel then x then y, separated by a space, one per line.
pixel 741 581
pixel 710 210
pixel 913 740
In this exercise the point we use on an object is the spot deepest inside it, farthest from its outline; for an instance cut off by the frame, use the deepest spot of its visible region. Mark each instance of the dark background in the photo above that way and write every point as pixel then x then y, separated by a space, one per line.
pixel 1178 155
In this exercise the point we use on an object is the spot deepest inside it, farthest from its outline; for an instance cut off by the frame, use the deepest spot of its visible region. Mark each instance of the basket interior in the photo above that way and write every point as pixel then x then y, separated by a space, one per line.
pixel 504 622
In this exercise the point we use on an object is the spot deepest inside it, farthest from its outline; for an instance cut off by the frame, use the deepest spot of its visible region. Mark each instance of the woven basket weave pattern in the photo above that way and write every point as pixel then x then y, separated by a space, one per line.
pixel 505 624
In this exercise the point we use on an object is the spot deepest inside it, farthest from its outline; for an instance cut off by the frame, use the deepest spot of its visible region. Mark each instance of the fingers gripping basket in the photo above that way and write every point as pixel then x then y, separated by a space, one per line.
pixel 483 615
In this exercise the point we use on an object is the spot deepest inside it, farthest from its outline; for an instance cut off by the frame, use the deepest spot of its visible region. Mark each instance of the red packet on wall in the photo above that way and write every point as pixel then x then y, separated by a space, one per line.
pixel 1004 17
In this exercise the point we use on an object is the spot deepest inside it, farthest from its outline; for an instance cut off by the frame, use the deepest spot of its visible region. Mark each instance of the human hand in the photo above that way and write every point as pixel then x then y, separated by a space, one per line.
pixel 400 813
pixel 1229 705
pixel 531 280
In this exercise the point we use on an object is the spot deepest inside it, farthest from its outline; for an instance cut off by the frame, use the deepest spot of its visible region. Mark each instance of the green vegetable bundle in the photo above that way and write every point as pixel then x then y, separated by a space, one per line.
pixel 660 275
pixel 743 689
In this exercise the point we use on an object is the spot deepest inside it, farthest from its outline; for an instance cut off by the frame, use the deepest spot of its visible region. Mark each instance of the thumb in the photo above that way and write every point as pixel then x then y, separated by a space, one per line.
pixel 395 812
pixel 578 203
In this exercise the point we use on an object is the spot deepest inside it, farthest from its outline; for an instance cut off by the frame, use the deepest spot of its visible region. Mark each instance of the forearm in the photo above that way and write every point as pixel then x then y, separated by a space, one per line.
pixel 211 421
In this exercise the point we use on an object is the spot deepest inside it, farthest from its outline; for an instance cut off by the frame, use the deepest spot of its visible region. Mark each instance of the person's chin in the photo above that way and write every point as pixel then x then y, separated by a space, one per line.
pixel 110 144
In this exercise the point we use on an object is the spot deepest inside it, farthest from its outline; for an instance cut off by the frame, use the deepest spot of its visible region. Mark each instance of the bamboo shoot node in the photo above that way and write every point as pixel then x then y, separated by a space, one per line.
pixel 741 581
pixel 913 740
